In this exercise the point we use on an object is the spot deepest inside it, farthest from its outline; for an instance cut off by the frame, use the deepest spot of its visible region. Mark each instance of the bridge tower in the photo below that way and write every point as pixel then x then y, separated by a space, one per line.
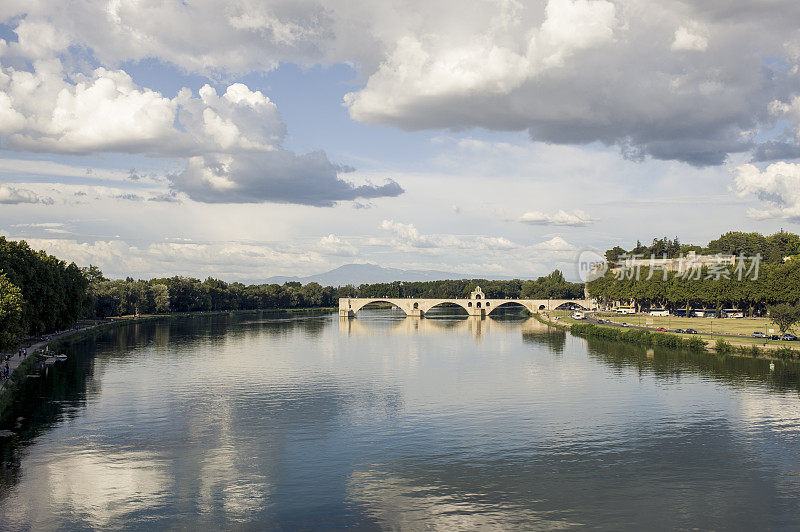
pixel 476 306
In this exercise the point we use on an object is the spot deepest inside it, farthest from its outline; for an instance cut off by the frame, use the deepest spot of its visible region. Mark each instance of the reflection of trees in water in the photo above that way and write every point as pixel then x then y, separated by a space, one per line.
pixel 195 330
pixel 672 364
pixel 536 332
pixel 554 339
pixel 61 392
pixel 510 310
pixel 447 321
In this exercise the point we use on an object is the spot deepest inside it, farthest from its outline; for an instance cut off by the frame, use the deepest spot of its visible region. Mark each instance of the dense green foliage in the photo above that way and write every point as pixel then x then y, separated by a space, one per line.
pixel 10 312
pixel 784 316
pixel 182 294
pixel 772 248
pixel 722 346
pixel 776 283
pixel 53 292
pixel 638 336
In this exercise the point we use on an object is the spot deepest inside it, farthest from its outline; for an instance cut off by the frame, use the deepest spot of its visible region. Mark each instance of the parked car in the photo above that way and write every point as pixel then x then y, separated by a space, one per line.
pixel 774 336
pixel 681 331
pixel 758 334
pixel 661 329
pixel 789 337
pixel 624 324
pixel 691 331
pixel 600 321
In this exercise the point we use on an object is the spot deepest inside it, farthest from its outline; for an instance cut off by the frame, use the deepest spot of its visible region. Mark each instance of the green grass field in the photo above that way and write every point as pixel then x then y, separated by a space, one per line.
pixel 742 327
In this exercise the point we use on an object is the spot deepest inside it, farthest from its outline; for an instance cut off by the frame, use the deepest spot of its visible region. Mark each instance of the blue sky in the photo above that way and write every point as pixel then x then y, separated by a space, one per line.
pixel 247 140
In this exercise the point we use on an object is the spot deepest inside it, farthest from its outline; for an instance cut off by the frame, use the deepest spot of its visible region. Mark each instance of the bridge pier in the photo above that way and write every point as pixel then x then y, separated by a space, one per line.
pixel 346 313
pixel 415 312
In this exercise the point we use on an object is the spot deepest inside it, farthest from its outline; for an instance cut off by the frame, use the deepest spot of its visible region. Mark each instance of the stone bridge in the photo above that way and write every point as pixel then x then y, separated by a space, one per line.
pixel 476 305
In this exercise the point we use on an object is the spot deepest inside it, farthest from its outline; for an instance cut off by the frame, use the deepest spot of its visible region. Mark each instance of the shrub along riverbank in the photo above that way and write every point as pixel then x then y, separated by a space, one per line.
pixel 638 336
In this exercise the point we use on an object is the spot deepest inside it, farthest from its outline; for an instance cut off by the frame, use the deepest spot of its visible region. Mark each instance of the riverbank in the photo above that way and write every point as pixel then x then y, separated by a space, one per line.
pixel 650 338
pixel 21 368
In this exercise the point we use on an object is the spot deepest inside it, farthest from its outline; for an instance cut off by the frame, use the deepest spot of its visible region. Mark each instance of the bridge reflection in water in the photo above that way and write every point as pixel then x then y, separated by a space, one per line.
pixel 386 324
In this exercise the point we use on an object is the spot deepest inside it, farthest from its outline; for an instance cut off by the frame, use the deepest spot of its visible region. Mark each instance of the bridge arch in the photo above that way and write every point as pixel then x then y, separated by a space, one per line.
pixel 458 308
pixel 448 303
pixel 570 305
pixel 356 307
pixel 508 304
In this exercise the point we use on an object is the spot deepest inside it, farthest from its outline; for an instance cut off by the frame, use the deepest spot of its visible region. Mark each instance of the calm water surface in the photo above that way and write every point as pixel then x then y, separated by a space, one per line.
pixel 261 421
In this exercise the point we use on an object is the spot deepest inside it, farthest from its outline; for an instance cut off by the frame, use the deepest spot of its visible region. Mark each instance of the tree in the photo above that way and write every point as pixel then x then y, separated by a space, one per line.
pixel 785 316
pixel 93 274
pixel 54 291
pixel 10 313
pixel 161 298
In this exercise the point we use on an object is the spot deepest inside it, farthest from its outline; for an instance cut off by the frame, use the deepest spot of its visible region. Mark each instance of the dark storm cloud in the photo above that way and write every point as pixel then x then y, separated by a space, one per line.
pixel 278 176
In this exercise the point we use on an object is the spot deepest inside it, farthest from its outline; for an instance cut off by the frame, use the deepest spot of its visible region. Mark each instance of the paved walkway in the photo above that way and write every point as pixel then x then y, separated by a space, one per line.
pixel 16 360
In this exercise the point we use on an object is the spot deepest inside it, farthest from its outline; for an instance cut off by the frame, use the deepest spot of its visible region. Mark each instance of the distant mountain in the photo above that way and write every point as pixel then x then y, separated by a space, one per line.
pixel 357 274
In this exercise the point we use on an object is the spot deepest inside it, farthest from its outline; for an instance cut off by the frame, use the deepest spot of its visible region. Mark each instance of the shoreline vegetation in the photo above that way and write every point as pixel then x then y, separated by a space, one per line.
pixel 647 338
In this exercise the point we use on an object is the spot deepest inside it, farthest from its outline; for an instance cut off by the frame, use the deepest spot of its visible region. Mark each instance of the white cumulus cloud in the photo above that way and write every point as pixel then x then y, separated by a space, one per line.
pixel 777 186
pixel 408 237
pixel 565 71
pixel 687 39
pixel 234 140
pixel 333 245
pixel 13 196
pixel 555 244
pixel 572 218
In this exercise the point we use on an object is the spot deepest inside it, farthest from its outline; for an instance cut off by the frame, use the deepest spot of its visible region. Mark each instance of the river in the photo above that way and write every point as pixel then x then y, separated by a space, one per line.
pixel 259 421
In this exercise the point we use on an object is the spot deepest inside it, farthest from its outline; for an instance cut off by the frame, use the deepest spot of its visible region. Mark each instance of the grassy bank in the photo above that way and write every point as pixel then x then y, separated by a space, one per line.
pixel 743 328
pixel 750 347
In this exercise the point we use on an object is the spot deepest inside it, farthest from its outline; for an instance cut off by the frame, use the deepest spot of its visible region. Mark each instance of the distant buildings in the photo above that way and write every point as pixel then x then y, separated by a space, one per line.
pixel 684 263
